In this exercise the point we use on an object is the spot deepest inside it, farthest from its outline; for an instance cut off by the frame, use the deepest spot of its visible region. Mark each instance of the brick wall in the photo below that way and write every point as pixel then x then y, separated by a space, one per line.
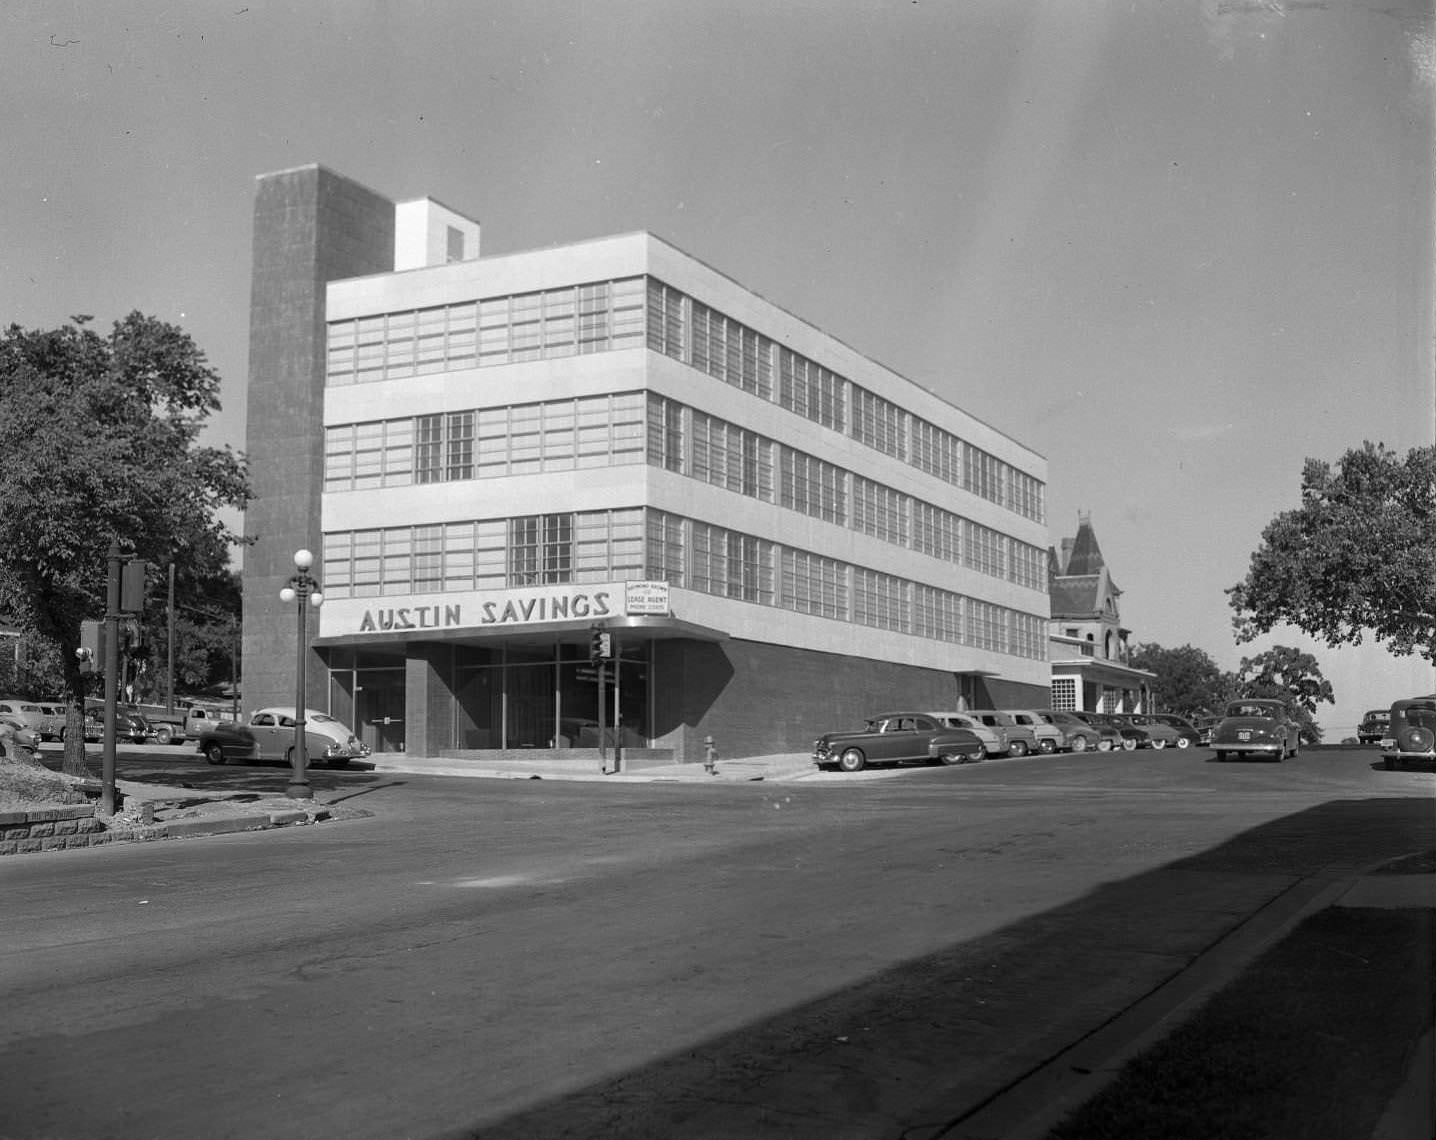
pixel 50 829
pixel 759 700
pixel 311 226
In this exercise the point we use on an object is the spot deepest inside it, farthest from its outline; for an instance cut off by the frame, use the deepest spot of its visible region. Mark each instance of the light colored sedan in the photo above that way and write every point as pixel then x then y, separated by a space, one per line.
pixel 268 734
pixel 993 737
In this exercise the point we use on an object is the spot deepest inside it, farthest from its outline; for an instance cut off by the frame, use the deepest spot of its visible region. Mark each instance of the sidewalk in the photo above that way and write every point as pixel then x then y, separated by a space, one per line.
pixel 785 766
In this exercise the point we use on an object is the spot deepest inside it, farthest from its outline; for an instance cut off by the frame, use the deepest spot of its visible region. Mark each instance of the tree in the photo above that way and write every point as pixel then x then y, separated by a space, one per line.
pixel 1188 680
pixel 1283 673
pixel 1358 556
pixel 99 443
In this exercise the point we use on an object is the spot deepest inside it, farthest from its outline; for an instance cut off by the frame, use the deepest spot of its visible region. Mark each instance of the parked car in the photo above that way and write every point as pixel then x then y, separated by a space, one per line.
pixel 1049 737
pixel 24 712
pixel 268 734
pixel 1204 726
pixel 1257 728
pixel 1155 733
pixel 1121 735
pixel 17 739
pixel 1081 736
pixel 92 725
pixel 1375 726
pixel 1411 733
pixel 993 737
pixel 894 737
pixel 130 727
pixel 1020 739
pixel 54 720
pixel 1186 731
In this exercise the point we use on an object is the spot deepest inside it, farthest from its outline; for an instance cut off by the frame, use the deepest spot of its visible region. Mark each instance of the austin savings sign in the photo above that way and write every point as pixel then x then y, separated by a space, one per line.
pixel 511 608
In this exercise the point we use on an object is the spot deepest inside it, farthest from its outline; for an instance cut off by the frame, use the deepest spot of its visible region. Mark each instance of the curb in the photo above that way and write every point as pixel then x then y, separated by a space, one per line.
pixel 192 828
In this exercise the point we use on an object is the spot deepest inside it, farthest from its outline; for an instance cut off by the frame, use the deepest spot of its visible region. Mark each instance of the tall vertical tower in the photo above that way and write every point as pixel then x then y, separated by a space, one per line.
pixel 311 226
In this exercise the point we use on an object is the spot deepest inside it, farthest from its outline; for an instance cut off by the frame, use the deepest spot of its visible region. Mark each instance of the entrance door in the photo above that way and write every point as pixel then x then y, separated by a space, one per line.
pixel 379 709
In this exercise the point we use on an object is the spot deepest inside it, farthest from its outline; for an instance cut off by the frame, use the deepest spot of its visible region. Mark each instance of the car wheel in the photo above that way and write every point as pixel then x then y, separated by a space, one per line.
pixel 1388 763
pixel 1079 744
pixel 1017 748
pixel 1159 744
pixel 1047 746
pixel 214 754
pixel 1221 756
pixel 852 760
pixel 1129 745
pixel 1183 742
pixel 1104 746
pixel 164 734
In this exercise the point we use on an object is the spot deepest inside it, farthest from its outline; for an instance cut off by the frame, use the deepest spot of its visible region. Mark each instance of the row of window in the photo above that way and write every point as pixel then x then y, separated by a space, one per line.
pixel 647 544
pixel 629 312
pixel 478 443
pixel 608 429
pixel 685 329
pixel 544 325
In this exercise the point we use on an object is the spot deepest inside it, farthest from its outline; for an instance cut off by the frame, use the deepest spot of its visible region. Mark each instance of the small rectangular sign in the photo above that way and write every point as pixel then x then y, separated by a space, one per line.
pixel 645 598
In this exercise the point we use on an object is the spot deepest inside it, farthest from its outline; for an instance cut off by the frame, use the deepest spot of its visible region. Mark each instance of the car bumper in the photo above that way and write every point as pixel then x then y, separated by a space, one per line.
pixel 1265 746
pixel 1396 756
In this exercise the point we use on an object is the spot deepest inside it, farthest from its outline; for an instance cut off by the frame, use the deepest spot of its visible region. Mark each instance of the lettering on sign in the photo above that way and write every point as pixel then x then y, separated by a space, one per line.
pixel 645 598
pixel 519 610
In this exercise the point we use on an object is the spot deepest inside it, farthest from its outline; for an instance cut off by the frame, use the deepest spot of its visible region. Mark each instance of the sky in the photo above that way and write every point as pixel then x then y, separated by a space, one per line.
pixel 1176 248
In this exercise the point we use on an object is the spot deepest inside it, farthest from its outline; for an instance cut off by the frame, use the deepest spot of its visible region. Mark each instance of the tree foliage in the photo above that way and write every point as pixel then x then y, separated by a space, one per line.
pixel 99 443
pixel 1188 681
pixel 1357 557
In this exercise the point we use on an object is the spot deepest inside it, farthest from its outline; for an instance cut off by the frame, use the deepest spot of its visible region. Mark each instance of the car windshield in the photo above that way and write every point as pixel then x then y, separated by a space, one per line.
pixel 1251 710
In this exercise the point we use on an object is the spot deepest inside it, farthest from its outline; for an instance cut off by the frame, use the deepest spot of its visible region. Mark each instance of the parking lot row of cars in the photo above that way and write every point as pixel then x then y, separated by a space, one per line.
pixel 969 735
pixel 47 720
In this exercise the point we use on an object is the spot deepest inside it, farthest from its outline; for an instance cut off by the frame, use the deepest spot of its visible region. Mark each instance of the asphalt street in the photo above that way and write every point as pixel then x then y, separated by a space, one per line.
pixel 847 956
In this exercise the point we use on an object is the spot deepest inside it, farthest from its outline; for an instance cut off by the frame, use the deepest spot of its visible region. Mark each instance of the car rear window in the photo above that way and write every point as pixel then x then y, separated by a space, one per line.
pixel 1420 716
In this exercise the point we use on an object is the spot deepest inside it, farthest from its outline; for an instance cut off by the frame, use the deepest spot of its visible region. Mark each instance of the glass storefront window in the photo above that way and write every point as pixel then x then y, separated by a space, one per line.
pixel 540 698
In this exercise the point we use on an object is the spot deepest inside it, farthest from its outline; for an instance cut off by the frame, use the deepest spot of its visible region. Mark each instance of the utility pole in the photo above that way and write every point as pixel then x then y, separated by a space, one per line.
pixel 170 688
pixel 112 662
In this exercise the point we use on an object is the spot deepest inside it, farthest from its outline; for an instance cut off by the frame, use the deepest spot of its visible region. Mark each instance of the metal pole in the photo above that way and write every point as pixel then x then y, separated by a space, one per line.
pixel 170 689
pixel 617 708
pixel 299 788
pixel 234 674
pixel 599 665
pixel 112 662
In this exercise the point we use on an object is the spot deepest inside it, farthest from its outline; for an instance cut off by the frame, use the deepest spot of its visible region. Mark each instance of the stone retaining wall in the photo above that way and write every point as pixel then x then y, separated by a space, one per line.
pixel 50 829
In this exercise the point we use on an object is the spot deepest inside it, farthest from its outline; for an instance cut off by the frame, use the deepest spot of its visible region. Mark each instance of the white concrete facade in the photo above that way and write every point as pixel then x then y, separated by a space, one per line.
pixel 646 485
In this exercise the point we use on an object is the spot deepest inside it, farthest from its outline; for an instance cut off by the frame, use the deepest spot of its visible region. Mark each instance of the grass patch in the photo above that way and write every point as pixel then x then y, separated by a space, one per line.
pixel 24 786
pixel 1312 1040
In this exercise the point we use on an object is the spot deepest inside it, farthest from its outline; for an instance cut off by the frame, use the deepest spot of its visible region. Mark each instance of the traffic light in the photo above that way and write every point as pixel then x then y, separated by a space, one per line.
pixel 132 585
pixel 600 645
pixel 92 647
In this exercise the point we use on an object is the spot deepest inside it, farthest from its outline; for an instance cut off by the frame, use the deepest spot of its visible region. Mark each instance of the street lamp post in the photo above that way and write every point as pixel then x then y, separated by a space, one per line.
pixel 302 588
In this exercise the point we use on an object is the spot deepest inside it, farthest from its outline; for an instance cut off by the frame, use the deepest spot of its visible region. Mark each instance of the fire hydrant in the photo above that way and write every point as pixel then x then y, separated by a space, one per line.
pixel 710 756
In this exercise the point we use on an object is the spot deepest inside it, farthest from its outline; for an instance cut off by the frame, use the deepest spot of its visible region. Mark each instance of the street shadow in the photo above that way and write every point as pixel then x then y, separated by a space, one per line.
pixel 890 1055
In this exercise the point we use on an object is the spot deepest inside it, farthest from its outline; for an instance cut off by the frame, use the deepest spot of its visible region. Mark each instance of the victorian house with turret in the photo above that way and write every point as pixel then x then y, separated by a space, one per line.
pixel 1090 650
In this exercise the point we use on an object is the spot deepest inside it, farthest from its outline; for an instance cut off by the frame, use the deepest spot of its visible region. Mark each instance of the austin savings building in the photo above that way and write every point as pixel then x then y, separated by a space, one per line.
pixel 494 457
